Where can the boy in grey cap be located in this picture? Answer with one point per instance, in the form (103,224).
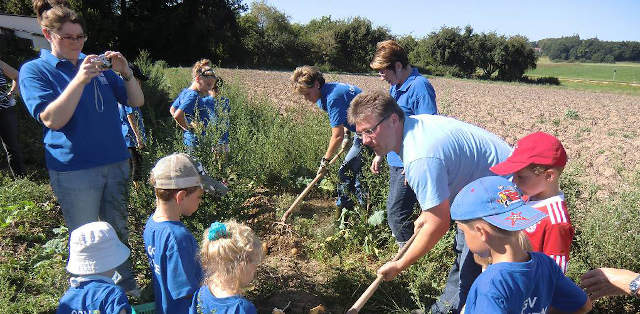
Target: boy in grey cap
(179,183)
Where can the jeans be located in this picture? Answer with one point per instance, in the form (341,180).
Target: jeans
(462,274)
(99,193)
(351,182)
(9,138)
(400,204)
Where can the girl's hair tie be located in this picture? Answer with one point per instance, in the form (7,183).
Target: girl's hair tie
(217,230)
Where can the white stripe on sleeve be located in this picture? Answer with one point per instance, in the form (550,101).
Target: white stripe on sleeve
(551,214)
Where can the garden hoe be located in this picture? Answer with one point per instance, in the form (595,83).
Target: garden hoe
(310,186)
(374,285)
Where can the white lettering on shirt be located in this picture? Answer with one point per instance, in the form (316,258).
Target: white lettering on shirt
(529,305)
(151,251)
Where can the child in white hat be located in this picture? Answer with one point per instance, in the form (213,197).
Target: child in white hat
(229,255)
(94,253)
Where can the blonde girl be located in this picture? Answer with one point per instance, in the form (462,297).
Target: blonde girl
(229,254)
(183,109)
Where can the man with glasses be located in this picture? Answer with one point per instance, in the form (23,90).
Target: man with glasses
(440,155)
(415,95)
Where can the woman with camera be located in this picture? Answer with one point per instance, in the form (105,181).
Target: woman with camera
(74,96)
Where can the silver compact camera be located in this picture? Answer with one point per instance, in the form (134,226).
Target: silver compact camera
(106,63)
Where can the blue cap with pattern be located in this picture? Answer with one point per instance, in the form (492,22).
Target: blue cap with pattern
(496,200)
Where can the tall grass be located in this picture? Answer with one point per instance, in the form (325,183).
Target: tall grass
(273,151)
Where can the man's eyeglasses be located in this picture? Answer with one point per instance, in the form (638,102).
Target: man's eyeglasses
(372,130)
(81,37)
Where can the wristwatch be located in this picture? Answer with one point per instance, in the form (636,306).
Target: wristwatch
(634,286)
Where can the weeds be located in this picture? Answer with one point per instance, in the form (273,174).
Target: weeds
(273,154)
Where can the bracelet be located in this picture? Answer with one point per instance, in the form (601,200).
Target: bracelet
(127,78)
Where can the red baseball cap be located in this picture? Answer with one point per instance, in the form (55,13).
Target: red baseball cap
(537,148)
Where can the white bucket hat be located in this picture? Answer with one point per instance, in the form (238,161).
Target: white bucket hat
(95,248)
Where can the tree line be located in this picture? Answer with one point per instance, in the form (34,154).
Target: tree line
(572,48)
(260,36)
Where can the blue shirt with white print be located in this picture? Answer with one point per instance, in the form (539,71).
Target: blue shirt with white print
(335,100)
(173,257)
(526,287)
(92,137)
(441,155)
(95,294)
(415,96)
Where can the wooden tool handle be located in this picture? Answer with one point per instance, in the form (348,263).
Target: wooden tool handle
(310,186)
(374,285)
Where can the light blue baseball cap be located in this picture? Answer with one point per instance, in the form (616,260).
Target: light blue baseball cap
(496,200)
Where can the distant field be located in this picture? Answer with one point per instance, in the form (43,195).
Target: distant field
(624,72)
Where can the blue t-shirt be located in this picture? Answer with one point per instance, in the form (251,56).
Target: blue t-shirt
(93,136)
(172,251)
(219,110)
(415,96)
(190,102)
(528,287)
(205,302)
(127,131)
(335,100)
(441,155)
(98,295)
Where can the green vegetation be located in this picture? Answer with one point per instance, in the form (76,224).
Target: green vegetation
(596,77)
(572,48)
(272,155)
(629,73)
(232,34)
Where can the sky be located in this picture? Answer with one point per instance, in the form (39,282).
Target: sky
(614,20)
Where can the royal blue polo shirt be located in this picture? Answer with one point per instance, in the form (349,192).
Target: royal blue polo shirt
(335,100)
(415,96)
(92,137)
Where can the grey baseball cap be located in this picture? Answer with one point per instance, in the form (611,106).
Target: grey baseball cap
(179,171)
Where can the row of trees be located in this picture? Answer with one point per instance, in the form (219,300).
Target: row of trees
(460,52)
(260,36)
(573,48)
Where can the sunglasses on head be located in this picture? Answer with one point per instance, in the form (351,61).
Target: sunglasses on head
(208,73)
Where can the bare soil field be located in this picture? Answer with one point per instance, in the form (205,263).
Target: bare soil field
(600,131)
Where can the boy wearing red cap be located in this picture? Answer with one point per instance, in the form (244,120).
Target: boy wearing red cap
(536,163)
